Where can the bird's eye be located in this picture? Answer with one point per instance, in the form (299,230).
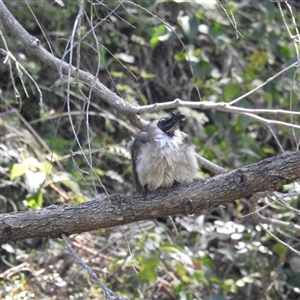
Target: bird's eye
(162,122)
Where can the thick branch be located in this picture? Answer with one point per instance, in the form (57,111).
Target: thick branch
(266,175)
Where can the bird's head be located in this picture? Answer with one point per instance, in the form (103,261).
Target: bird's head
(170,124)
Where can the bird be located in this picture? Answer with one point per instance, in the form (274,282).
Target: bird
(162,156)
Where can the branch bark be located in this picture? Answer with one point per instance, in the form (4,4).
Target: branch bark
(266,175)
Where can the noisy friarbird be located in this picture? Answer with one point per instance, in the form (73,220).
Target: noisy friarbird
(162,156)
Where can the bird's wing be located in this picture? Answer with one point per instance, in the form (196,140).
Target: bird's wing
(135,145)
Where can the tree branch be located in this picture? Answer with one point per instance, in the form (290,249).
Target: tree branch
(266,175)
(224,107)
(260,219)
(33,45)
(131,112)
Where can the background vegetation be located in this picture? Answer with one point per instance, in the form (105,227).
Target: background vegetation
(147,52)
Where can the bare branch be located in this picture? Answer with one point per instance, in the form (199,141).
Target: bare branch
(207,105)
(209,165)
(266,175)
(221,106)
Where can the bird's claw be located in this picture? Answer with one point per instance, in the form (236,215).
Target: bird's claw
(145,191)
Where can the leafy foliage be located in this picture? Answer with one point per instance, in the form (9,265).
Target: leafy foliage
(147,52)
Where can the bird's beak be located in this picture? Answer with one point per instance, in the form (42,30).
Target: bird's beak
(170,122)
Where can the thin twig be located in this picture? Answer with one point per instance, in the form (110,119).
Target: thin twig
(295,64)
(261,220)
(221,106)
(108,292)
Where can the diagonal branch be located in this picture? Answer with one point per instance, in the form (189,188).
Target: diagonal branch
(266,175)
(34,46)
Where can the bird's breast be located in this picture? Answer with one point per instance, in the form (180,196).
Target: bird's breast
(167,143)
(165,160)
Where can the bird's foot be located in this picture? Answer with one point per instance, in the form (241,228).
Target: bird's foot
(145,191)
(175,184)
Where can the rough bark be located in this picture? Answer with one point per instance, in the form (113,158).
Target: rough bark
(266,175)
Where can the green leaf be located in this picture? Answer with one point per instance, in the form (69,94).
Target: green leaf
(17,170)
(160,30)
(180,56)
(229,285)
(170,248)
(147,75)
(181,271)
(202,68)
(162,34)
(231,90)
(99,172)
(149,269)
(258,59)
(279,249)
(35,200)
(47,167)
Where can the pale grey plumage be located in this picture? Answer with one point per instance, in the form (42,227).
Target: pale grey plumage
(162,155)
